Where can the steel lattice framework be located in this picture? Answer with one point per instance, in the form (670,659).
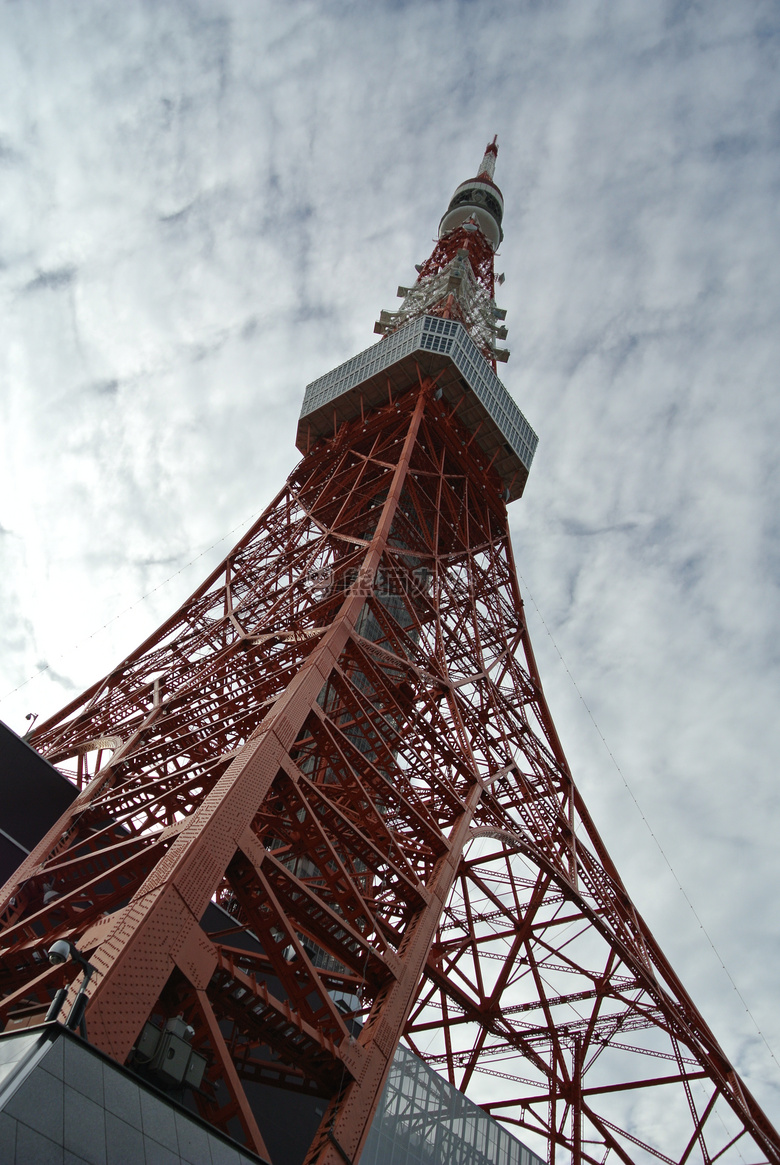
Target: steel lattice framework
(342,737)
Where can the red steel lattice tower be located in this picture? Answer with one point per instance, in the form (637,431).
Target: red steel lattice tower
(342,738)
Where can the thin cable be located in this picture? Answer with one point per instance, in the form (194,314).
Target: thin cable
(631,793)
(78,646)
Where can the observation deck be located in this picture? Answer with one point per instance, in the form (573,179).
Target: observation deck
(467,382)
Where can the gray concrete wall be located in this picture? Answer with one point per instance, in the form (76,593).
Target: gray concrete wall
(63,1103)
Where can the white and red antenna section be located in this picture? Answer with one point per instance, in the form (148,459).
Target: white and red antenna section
(458,281)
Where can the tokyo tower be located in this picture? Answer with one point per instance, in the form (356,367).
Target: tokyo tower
(341,740)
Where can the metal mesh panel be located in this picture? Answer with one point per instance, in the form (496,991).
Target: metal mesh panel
(448,338)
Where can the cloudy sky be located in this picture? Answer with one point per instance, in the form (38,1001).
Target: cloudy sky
(205,204)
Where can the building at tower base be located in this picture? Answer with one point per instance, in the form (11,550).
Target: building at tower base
(63,1101)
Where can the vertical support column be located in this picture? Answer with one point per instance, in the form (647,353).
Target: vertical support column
(139,951)
(576,1101)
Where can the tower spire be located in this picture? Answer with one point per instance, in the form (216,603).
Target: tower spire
(487,169)
(458,280)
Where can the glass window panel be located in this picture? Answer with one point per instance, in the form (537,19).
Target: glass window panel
(423,1120)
